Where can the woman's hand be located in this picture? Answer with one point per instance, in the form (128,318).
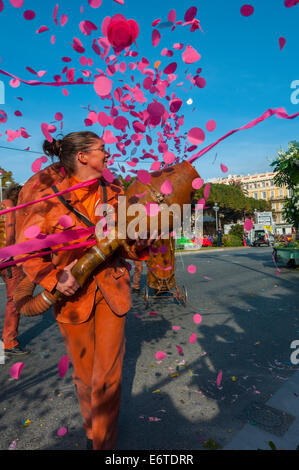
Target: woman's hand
(67,284)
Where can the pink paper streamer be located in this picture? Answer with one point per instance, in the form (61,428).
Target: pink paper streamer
(279,112)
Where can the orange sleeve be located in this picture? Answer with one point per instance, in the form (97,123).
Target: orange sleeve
(39,270)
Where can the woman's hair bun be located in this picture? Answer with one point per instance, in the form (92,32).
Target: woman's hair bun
(52,148)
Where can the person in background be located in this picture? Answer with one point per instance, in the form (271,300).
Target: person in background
(219,239)
(11,276)
(137,275)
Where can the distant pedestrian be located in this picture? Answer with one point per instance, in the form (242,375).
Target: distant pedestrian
(11,276)
(219,239)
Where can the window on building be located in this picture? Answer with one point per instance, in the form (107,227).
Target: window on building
(255,195)
(272,194)
(281,192)
(264,195)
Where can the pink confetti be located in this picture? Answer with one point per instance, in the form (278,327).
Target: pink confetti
(190,14)
(42,29)
(58,116)
(95,3)
(282,42)
(206,191)
(166,187)
(160,355)
(65,221)
(247,10)
(29,15)
(108,176)
(192,338)
(190,55)
(16,370)
(108,137)
(248,225)
(156,36)
(180,350)
(196,136)
(211,125)
(171,68)
(102,86)
(32,232)
(191,269)
(63,20)
(17,3)
(153,314)
(176,328)
(219,378)
(63,366)
(224,168)
(197,183)
(62,432)
(197,318)
(168,158)
(208,278)
(144,176)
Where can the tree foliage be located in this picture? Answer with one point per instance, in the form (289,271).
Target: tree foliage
(7,178)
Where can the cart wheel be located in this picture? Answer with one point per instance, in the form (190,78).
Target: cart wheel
(145,297)
(183,297)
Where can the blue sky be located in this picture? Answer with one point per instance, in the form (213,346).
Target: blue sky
(245,71)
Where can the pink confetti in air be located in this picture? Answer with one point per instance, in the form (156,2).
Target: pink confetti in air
(248,225)
(42,29)
(219,378)
(168,158)
(224,168)
(190,55)
(32,232)
(17,3)
(197,183)
(191,269)
(63,366)
(156,36)
(63,20)
(197,318)
(95,3)
(160,355)
(192,338)
(171,68)
(62,432)
(282,42)
(29,15)
(108,176)
(180,350)
(211,125)
(121,2)
(58,116)
(190,14)
(196,136)
(65,221)
(108,137)
(16,370)
(166,187)
(247,10)
(206,191)
(102,86)
(144,176)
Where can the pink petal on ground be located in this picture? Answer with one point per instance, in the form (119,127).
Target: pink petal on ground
(166,187)
(190,55)
(63,366)
(197,318)
(282,42)
(29,15)
(248,225)
(95,3)
(16,370)
(160,355)
(192,338)
(224,168)
(62,432)
(191,269)
(219,378)
(176,328)
(156,36)
(179,349)
(153,314)
(246,10)
(197,183)
(32,231)
(17,3)
(196,136)
(211,125)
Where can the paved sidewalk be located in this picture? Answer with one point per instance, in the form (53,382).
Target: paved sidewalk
(283,417)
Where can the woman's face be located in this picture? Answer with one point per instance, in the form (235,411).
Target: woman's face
(97,157)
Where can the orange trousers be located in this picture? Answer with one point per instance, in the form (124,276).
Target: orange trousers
(96,349)
(12,277)
(137,274)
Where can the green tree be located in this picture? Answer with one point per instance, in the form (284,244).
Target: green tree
(237,231)
(7,178)
(286,169)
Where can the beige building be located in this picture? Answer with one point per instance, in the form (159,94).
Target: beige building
(261,186)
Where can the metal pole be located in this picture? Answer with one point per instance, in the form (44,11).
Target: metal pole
(1,199)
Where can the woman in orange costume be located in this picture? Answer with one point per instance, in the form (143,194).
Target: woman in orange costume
(92,318)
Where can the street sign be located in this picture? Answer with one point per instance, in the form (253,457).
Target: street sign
(264,218)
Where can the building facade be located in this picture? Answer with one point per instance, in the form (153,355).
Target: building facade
(261,186)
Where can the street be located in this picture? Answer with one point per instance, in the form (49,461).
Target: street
(203,393)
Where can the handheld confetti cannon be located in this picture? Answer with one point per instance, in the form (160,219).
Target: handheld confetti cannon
(176,183)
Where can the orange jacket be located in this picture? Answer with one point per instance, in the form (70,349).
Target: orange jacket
(112,277)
